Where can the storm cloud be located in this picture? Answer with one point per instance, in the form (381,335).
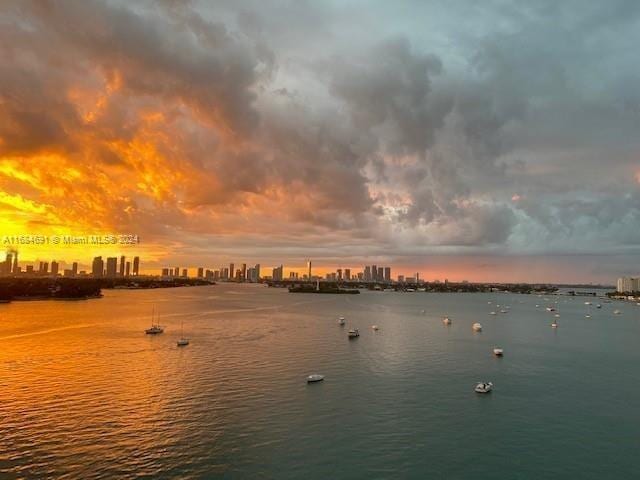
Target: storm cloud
(343,131)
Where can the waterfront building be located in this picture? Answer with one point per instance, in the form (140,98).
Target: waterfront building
(277,273)
(136,266)
(231,271)
(122,262)
(628,284)
(165,272)
(347,274)
(74,268)
(200,272)
(367,273)
(112,264)
(387,274)
(15,263)
(29,269)
(97,267)
(185,272)
(400,278)
(127,269)
(54,268)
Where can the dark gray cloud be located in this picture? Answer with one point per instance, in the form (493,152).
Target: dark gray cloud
(438,126)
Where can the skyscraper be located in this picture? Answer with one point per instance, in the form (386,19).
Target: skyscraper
(122,266)
(309,269)
(200,272)
(15,263)
(136,266)
(387,274)
(347,274)
(243,277)
(112,266)
(231,271)
(367,273)
(74,269)
(97,267)
(127,269)
(54,267)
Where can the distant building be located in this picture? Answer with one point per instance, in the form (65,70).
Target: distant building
(165,272)
(628,285)
(54,267)
(231,271)
(127,269)
(136,266)
(97,267)
(309,270)
(277,273)
(122,262)
(200,272)
(112,265)
(347,274)
(400,278)
(185,272)
(387,274)
(74,269)
(367,273)
(243,275)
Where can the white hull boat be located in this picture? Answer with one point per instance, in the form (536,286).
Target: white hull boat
(315,378)
(483,387)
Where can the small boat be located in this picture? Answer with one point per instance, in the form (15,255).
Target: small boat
(498,352)
(341,321)
(557,315)
(537,305)
(504,311)
(492,313)
(598,306)
(446,321)
(422,311)
(617,312)
(354,333)
(476,327)
(155,328)
(375,327)
(551,309)
(182,341)
(315,378)
(587,303)
(484,387)
(554,324)
(587,316)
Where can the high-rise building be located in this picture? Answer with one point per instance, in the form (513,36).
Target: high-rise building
(127,269)
(387,274)
(74,269)
(112,266)
(374,273)
(243,275)
(257,269)
(628,285)
(136,266)
(122,266)
(200,272)
(176,272)
(54,268)
(185,272)
(165,272)
(15,263)
(339,274)
(309,277)
(367,273)
(347,274)
(231,271)
(5,268)
(97,267)
(277,273)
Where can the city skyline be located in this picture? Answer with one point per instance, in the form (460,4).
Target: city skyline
(488,144)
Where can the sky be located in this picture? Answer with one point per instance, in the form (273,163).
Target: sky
(486,141)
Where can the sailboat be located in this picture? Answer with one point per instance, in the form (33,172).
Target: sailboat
(155,328)
(182,342)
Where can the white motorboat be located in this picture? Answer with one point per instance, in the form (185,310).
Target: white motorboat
(557,315)
(446,321)
(504,311)
(182,341)
(598,306)
(554,324)
(375,327)
(617,312)
(587,303)
(476,327)
(353,333)
(551,309)
(422,311)
(498,352)
(341,321)
(587,316)
(314,378)
(484,387)
(492,313)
